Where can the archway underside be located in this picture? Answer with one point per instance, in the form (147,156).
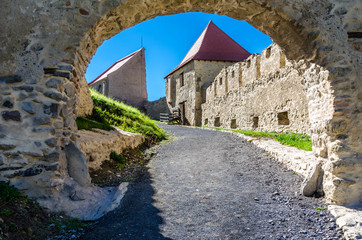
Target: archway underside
(56,44)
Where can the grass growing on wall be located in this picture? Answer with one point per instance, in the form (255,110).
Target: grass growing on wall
(298,140)
(88,124)
(109,111)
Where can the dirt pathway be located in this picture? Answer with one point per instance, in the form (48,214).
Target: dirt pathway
(213,185)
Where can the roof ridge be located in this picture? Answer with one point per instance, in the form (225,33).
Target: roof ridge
(215,45)
(118,61)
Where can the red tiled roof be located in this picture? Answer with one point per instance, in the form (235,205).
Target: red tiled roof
(115,66)
(214,45)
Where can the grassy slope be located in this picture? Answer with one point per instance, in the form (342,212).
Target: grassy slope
(111,112)
(298,140)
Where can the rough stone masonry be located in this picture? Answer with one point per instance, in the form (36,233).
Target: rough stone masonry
(47,45)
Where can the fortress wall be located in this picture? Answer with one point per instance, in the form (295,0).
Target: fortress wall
(276,101)
(273,103)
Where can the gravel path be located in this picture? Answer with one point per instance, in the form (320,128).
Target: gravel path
(213,185)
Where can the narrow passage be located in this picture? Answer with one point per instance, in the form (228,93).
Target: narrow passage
(213,185)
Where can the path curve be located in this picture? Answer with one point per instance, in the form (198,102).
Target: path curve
(214,185)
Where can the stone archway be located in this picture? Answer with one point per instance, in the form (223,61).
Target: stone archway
(47,45)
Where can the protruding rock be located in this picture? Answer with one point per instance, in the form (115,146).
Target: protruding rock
(11,115)
(28,107)
(77,164)
(312,184)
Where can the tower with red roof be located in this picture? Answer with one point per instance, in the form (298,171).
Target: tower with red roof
(186,84)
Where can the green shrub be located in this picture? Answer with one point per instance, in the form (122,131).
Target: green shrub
(9,193)
(127,118)
(121,161)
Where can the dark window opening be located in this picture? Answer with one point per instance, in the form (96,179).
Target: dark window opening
(217,122)
(240,77)
(220,81)
(283,118)
(99,88)
(206,121)
(268,52)
(233,74)
(233,124)
(255,122)
(248,63)
(182,79)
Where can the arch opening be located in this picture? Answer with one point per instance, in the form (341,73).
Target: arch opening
(53,56)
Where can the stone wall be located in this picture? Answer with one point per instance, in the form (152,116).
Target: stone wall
(98,144)
(197,76)
(276,101)
(154,108)
(46,47)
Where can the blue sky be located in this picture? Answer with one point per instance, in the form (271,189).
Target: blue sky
(167,39)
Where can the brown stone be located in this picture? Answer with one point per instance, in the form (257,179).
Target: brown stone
(82,11)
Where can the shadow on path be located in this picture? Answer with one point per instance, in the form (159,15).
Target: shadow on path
(135,218)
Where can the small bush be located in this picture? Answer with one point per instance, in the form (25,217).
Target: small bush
(121,161)
(5,212)
(10,193)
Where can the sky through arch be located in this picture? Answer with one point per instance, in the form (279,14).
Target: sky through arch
(167,39)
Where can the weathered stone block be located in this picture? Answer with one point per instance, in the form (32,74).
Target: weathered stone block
(51,142)
(11,79)
(11,115)
(63,73)
(25,88)
(312,184)
(8,104)
(28,107)
(32,172)
(52,156)
(40,120)
(48,130)
(77,164)
(53,83)
(52,109)
(53,94)
(7,146)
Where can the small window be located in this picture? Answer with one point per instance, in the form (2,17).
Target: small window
(248,63)
(217,122)
(220,81)
(233,74)
(182,83)
(233,124)
(206,121)
(240,77)
(255,122)
(283,118)
(99,89)
(268,52)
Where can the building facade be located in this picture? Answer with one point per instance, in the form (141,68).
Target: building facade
(125,80)
(186,85)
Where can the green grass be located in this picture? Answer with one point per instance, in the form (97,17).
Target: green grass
(320,208)
(88,124)
(298,140)
(5,212)
(114,113)
(121,161)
